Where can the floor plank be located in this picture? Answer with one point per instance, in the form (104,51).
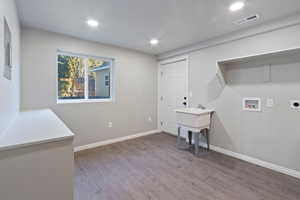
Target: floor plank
(151,167)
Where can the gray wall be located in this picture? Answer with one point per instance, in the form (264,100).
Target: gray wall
(272,135)
(135,80)
(9,90)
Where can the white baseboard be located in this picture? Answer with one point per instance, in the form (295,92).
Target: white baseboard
(111,141)
(249,159)
(274,167)
(258,162)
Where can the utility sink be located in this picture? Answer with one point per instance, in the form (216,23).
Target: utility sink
(195,119)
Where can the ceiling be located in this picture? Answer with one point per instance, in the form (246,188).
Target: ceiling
(132,23)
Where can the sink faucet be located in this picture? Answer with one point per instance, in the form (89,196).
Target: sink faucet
(201,106)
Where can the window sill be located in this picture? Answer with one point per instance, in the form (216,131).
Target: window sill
(84,101)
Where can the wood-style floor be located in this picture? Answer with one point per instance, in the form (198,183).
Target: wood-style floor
(152,168)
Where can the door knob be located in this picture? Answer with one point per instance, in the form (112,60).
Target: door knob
(184,103)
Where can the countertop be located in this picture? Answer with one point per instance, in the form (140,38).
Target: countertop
(34,127)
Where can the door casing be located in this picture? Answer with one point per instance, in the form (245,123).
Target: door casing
(160,65)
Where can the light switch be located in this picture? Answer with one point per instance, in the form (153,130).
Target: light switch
(270,103)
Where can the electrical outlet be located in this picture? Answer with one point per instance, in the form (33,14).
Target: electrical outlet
(295,104)
(110,124)
(270,103)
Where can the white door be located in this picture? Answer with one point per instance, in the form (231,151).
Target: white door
(173,92)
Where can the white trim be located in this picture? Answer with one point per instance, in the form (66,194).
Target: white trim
(86,79)
(165,62)
(250,32)
(67,53)
(158,96)
(255,161)
(86,99)
(274,167)
(112,79)
(115,140)
(67,101)
(174,60)
(99,69)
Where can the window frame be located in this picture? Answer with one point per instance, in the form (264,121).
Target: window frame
(107,81)
(86,86)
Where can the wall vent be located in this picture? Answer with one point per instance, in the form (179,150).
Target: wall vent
(248,19)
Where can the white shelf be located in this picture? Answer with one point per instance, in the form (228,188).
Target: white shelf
(267,60)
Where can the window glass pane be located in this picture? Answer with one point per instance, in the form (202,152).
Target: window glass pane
(70,77)
(99,78)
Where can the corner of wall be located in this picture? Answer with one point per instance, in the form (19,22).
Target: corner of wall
(10,89)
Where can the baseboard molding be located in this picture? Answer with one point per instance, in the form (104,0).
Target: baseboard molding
(258,162)
(111,141)
(274,167)
(255,161)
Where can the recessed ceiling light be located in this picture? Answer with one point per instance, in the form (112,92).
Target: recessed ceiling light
(154,41)
(236,6)
(92,23)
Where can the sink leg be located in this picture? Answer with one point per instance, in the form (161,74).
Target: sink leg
(190,134)
(207,139)
(178,137)
(196,143)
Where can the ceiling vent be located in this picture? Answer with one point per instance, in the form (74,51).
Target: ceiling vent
(248,19)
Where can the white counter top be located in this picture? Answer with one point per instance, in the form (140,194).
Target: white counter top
(34,127)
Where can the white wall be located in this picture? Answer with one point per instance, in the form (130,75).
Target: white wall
(9,90)
(135,80)
(272,135)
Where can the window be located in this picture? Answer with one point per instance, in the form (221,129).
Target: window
(83,78)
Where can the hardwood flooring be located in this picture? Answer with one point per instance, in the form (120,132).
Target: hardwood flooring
(151,167)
